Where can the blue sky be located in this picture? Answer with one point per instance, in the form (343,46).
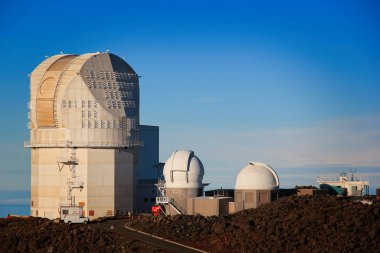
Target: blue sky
(295,84)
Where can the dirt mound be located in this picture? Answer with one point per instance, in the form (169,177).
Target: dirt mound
(43,235)
(292,224)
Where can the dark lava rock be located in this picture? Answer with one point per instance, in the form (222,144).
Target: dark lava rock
(292,224)
(42,235)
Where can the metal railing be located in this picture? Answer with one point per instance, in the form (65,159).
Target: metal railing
(177,206)
(67,159)
(171,202)
(65,144)
(163,200)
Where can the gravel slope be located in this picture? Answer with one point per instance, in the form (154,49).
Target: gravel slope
(292,224)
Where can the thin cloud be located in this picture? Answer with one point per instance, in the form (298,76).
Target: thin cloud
(17,201)
(329,143)
(335,144)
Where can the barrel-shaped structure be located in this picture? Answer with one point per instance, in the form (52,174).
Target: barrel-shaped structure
(84,134)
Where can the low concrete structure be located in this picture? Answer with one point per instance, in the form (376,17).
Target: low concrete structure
(344,185)
(310,191)
(208,206)
(220,193)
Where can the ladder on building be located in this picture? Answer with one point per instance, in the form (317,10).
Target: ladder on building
(162,200)
(161,187)
(72,182)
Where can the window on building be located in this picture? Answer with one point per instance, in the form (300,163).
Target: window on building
(152,200)
(239,197)
(145,200)
(249,197)
(263,198)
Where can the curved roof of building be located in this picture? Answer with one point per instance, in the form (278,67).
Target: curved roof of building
(183,170)
(90,99)
(257,176)
(51,79)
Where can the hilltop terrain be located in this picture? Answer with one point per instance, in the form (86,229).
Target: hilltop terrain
(291,224)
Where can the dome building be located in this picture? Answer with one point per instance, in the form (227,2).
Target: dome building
(256,184)
(183,173)
(84,134)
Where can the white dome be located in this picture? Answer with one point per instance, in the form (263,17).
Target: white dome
(183,170)
(91,85)
(257,176)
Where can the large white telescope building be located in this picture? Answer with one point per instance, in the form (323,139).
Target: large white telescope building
(85,136)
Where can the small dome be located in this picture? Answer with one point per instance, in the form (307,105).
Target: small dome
(183,170)
(257,176)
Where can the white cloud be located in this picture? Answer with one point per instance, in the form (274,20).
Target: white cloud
(335,142)
(339,143)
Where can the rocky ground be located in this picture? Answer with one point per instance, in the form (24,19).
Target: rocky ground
(292,224)
(43,235)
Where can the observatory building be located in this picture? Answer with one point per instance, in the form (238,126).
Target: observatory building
(182,188)
(345,185)
(85,136)
(256,184)
(183,173)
